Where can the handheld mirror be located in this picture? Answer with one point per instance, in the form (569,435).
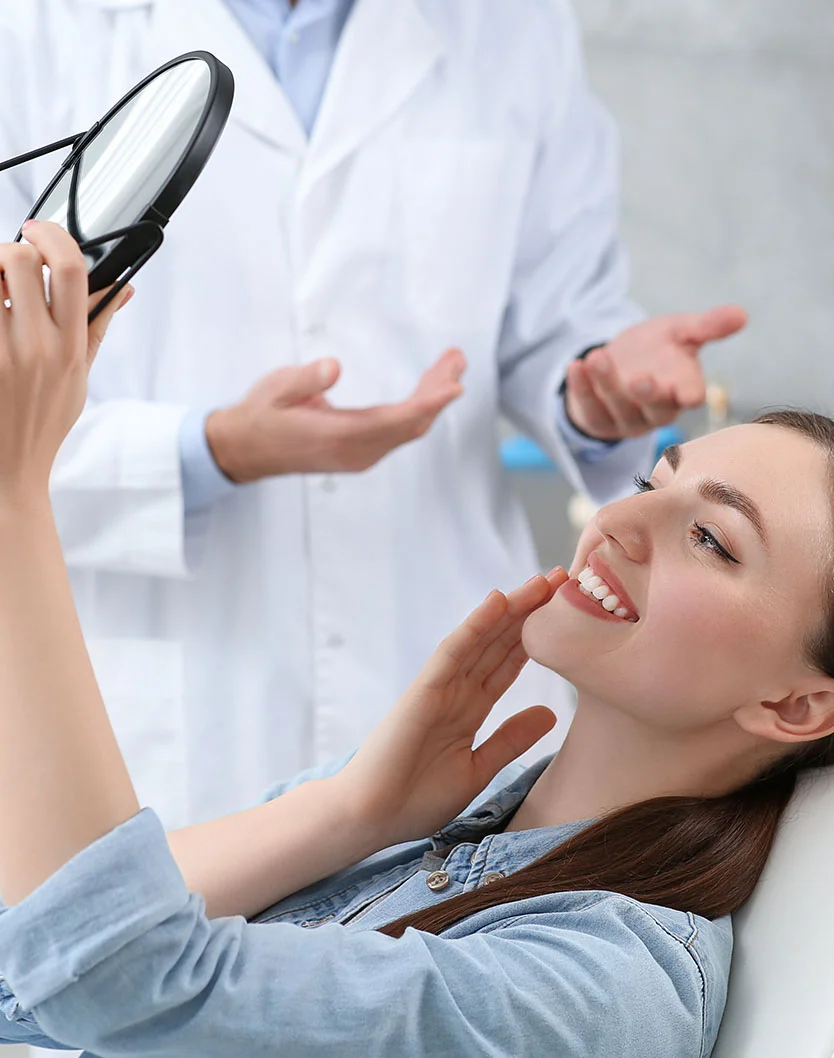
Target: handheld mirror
(123,179)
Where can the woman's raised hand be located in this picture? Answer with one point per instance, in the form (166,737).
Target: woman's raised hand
(46,350)
(417,770)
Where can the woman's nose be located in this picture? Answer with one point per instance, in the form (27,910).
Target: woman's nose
(626,524)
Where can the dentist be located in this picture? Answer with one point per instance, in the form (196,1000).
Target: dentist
(403,191)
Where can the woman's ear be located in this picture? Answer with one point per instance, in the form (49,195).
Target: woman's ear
(796,718)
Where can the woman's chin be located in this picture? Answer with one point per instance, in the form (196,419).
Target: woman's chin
(552,639)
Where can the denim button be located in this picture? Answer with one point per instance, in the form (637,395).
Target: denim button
(438,880)
(493,876)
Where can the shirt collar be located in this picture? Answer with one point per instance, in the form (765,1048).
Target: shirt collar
(492,813)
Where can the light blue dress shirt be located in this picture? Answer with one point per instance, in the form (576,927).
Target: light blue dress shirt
(113,954)
(299,44)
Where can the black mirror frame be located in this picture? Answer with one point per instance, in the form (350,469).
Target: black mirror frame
(138,242)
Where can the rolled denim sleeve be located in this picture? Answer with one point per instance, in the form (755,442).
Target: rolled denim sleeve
(112,954)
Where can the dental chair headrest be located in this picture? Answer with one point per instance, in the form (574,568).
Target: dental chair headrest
(781,1000)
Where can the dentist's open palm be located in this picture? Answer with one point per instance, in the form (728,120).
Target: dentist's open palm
(417,770)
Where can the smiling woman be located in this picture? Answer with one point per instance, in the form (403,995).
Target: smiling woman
(579,907)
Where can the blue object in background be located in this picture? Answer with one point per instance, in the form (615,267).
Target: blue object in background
(522,453)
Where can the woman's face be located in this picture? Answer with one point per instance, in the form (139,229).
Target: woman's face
(718,566)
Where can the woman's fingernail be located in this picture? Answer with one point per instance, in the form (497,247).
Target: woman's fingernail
(327,371)
(27,224)
(602,363)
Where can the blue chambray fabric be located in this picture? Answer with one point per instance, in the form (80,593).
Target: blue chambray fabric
(113,954)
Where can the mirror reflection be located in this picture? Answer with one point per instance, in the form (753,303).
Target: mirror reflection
(128,163)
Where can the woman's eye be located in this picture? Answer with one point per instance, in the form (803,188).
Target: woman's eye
(643,484)
(704,538)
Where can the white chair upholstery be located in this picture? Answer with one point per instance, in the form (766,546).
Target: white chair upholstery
(781,1001)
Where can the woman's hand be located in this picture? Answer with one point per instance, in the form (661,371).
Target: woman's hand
(46,350)
(415,772)
(417,769)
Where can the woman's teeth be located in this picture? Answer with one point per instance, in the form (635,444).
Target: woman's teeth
(592,585)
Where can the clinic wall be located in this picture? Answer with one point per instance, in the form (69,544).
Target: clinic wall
(728,142)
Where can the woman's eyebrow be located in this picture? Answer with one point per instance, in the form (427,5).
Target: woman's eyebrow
(672,455)
(722,493)
(729,496)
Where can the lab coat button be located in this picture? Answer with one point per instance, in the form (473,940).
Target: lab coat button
(329,484)
(335,641)
(493,876)
(438,880)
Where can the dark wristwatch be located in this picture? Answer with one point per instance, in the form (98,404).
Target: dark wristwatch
(563,390)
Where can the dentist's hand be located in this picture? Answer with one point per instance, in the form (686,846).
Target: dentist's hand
(287,426)
(647,375)
(417,770)
(46,349)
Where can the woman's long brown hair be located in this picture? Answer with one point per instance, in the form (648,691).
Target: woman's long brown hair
(697,854)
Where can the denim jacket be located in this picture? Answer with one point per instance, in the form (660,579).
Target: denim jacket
(113,954)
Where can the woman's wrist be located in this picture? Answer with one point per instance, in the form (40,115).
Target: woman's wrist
(23,502)
(363,832)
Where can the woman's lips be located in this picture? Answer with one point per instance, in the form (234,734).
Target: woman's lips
(570,593)
(577,598)
(602,569)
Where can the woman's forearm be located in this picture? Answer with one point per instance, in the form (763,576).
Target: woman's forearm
(242,864)
(63,783)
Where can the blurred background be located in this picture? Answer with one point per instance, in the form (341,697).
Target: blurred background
(727,126)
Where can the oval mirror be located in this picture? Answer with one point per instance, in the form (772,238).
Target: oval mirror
(125,177)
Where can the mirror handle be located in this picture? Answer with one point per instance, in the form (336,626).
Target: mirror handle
(156,238)
(59,145)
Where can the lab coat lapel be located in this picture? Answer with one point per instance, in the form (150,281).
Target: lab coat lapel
(386,51)
(260,103)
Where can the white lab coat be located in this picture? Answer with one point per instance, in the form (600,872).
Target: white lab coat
(460,188)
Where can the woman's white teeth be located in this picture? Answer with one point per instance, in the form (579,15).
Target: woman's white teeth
(592,585)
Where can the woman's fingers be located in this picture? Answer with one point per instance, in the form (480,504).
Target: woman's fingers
(557,577)
(504,675)
(458,649)
(514,737)
(22,270)
(520,604)
(482,641)
(68,283)
(98,328)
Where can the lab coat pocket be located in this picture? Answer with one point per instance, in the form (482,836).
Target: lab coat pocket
(461,205)
(142,684)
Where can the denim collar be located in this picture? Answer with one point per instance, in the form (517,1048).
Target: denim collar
(482,825)
(491,814)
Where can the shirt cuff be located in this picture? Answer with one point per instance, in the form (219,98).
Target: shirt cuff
(116,890)
(588,449)
(203,481)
